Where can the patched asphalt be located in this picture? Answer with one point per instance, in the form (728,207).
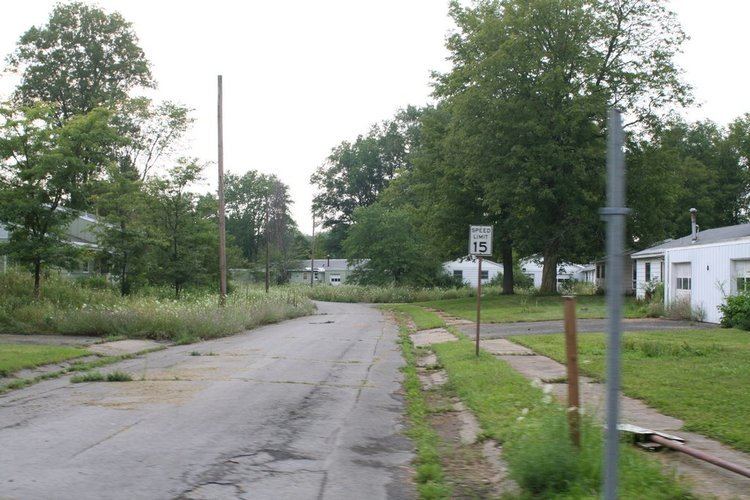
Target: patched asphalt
(309,408)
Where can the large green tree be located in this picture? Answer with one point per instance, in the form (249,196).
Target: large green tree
(81,59)
(529,89)
(43,167)
(355,173)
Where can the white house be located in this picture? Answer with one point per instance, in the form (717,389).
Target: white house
(702,268)
(332,272)
(566,271)
(467,269)
(628,273)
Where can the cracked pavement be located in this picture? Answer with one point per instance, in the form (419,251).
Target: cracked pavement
(308,408)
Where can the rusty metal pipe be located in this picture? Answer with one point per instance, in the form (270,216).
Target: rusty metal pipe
(700,455)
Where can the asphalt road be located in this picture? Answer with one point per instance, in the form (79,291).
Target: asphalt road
(309,408)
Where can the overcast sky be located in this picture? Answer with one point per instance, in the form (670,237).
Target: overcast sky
(301,76)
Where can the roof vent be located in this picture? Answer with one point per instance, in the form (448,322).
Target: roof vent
(693,224)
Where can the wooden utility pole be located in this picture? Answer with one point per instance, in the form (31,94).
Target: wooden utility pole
(312,252)
(267,258)
(571,350)
(222,227)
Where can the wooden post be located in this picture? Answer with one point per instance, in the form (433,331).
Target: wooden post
(268,271)
(571,351)
(222,227)
(479,301)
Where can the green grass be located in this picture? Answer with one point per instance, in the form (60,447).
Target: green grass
(422,318)
(533,431)
(699,376)
(115,376)
(15,357)
(384,294)
(512,308)
(429,473)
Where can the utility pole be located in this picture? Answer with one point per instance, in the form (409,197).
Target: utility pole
(267,238)
(312,252)
(222,227)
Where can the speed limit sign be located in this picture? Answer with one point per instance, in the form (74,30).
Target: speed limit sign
(480,240)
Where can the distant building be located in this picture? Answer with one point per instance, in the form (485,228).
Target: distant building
(467,270)
(566,271)
(702,268)
(332,272)
(81,232)
(628,273)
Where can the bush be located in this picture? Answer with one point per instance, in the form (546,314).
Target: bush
(682,310)
(736,311)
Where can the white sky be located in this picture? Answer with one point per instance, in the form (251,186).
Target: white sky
(301,76)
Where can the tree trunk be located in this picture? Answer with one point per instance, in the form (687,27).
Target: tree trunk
(37,277)
(549,272)
(507,258)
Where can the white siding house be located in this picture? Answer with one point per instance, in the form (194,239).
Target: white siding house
(467,269)
(533,266)
(703,268)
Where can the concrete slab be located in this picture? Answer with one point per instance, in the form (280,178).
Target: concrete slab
(434,336)
(536,368)
(40,339)
(503,347)
(122,347)
(470,427)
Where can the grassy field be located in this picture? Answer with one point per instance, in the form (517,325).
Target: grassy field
(511,308)
(69,307)
(699,376)
(15,357)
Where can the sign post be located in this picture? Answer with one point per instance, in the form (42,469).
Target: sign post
(480,245)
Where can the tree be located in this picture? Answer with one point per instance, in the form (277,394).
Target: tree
(397,255)
(530,85)
(355,173)
(44,166)
(184,236)
(83,58)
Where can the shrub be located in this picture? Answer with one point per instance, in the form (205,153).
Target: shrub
(682,310)
(88,377)
(736,311)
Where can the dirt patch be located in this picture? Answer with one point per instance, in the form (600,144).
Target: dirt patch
(121,347)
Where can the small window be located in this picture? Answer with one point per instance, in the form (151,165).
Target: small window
(305,276)
(648,271)
(743,285)
(485,275)
(600,271)
(684,283)
(458,274)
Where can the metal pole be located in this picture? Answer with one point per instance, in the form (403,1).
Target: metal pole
(222,227)
(614,214)
(312,252)
(479,301)
(700,455)
(267,255)
(571,350)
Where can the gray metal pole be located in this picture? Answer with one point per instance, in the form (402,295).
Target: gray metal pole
(614,214)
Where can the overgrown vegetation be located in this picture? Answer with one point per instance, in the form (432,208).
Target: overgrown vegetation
(15,357)
(698,376)
(115,376)
(736,311)
(68,307)
(388,294)
(429,477)
(423,319)
(533,432)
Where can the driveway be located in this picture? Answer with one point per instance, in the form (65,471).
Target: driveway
(309,408)
(500,330)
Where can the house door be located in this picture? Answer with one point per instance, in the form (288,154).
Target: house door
(683,281)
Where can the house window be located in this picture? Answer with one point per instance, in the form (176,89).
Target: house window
(635,276)
(684,283)
(305,277)
(741,275)
(648,271)
(458,274)
(485,275)
(600,271)
(743,285)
